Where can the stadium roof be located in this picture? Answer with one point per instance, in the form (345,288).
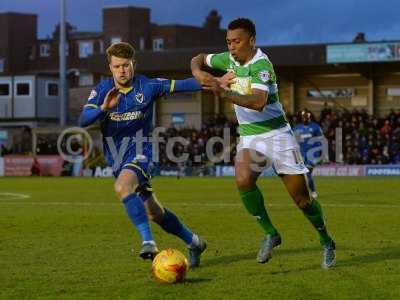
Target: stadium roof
(178,60)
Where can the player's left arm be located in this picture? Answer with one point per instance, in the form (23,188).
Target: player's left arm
(184,85)
(255,101)
(169,86)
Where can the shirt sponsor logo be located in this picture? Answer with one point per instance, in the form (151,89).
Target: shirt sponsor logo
(128,116)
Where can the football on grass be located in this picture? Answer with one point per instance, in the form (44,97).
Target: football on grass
(170,266)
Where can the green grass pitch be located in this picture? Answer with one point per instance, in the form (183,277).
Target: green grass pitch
(66,238)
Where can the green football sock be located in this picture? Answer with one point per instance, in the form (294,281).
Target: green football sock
(254,202)
(315,216)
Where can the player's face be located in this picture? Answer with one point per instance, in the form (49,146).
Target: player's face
(305,117)
(240,44)
(122,70)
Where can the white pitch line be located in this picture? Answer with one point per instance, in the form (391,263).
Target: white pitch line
(215,205)
(13,196)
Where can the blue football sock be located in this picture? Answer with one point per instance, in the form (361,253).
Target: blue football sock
(172,225)
(137,213)
(310,182)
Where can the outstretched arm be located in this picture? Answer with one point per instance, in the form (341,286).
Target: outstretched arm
(185,85)
(161,86)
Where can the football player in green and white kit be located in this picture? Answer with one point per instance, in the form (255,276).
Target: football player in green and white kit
(266,138)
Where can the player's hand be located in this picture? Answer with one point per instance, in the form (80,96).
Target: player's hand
(111,99)
(217,88)
(205,79)
(227,79)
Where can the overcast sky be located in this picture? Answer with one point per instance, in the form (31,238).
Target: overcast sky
(277,21)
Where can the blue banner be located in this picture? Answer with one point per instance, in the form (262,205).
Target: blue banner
(365,52)
(389,170)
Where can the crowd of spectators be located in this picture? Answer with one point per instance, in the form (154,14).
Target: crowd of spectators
(196,141)
(367,139)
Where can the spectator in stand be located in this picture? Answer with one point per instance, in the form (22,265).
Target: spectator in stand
(35,169)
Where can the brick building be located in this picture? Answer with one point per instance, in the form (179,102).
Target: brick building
(309,75)
(25,59)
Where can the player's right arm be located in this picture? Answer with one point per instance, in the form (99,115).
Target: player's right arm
(206,79)
(101,99)
(203,77)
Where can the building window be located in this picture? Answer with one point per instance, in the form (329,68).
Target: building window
(2,63)
(51,89)
(44,50)
(85,79)
(158,44)
(115,39)
(141,43)
(23,89)
(5,89)
(85,49)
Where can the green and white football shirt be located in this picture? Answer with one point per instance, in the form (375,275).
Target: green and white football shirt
(258,73)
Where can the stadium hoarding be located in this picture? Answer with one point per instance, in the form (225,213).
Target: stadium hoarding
(21,165)
(382,170)
(1,166)
(324,170)
(339,170)
(221,171)
(330,170)
(365,52)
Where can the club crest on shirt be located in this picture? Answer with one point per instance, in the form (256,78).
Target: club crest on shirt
(139,97)
(92,95)
(264,76)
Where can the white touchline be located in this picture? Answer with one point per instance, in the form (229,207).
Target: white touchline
(13,196)
(205,205)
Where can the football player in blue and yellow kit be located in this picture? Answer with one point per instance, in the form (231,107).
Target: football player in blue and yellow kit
(310,138)
(124,107)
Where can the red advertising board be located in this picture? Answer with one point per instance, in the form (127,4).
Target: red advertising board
(339,170)
(21,165)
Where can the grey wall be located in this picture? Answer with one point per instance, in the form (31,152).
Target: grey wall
(47,106)
(24,106)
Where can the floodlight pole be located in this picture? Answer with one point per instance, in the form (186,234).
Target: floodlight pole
(62,70)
